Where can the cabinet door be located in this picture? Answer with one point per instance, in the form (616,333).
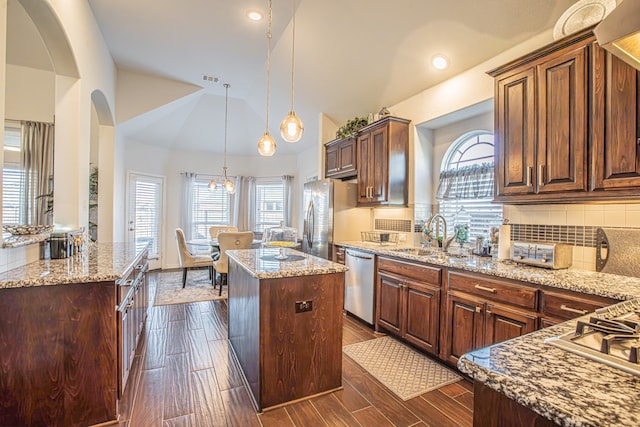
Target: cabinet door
(379,164)
(422,316)
(331,165)
(347,157)
(465,327)
(505,323)
(562,123)
(515,133)
(615,123)
(389,303)
(365,150)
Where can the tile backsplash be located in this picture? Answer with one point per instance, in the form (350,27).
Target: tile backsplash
(570,223)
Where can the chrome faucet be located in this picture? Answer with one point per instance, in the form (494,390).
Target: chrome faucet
(446,241)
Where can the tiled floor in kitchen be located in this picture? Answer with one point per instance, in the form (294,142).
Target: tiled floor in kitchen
(184,376)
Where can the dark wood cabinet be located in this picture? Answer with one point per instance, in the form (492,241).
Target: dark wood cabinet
(567,125)
(541,113)
(341,158)
(408,302)
(557,306)
(338,254)
(383,149)
(615,123)
(484,310)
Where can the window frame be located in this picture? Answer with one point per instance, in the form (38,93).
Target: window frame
(261,223)
(220,202)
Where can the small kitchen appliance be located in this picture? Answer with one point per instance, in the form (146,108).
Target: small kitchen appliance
(548,255)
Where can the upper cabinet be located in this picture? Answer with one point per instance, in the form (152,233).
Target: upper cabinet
(340,158)
(615,130)
(383,149)
(566,124)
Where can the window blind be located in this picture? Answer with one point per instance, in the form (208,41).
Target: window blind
(209,208)
(147,215)
(269,205)
(11,195)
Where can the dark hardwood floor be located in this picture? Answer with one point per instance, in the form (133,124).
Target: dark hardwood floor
(184,375)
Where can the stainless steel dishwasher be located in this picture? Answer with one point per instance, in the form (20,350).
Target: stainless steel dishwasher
(358,284)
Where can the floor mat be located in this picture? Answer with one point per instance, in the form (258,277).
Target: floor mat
(169,288)
(403,370)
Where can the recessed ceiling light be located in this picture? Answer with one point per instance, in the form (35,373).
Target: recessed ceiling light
(254,15)
(440,62)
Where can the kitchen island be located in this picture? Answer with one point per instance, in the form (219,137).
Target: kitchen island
(285,324)
(63,341)
(525,381)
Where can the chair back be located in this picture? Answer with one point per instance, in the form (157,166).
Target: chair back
(233,240)
(183,251)
(213,231)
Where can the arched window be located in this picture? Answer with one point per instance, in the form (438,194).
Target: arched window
(466,183)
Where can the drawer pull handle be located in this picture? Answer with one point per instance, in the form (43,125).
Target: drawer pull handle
(572,310)
(482,288)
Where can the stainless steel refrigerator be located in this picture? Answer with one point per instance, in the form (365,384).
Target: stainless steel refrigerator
(331,216)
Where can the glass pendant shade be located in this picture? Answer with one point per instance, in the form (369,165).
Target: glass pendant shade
(266,145)
(291,128)
(212,185)
(230,186)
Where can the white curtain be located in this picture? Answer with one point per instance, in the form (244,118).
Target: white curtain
(239,217)
(36,160)
(188,182)
(287,186)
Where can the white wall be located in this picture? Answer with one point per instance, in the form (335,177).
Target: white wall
(30,94)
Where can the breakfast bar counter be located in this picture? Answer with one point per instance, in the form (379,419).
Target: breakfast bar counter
(285,324)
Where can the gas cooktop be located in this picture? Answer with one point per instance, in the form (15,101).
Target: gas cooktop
(610,336)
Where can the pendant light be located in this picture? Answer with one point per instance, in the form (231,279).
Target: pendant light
(266,143)
(291,127)
(228,184)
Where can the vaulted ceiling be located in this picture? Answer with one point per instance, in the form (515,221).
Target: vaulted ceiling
(352,58)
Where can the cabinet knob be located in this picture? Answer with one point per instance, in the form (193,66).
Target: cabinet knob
(478,309)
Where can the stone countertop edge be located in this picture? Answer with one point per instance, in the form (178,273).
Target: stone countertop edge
(561,386)
(14,241)
(99,262)
(582,281)
(252,261)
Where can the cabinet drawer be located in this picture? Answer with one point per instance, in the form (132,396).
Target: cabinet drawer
(570,306)
(420,273)
(494,289)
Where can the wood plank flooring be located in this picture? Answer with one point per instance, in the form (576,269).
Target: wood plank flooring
(184,375)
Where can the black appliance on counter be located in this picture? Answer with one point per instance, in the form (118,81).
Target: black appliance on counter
(64,244)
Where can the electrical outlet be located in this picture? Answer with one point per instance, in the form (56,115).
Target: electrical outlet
(402,237)
(303,306)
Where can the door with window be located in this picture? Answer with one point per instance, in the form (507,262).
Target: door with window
(145,213)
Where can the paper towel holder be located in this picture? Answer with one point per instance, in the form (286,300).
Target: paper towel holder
(602,249)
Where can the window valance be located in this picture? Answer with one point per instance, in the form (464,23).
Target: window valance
(470,182)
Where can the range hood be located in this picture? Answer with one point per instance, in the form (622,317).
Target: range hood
(619,32)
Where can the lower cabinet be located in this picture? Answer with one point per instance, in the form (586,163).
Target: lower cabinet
(408,302)
(478,313)
(463,311)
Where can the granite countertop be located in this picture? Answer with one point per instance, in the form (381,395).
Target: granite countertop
(586,282)
(566,388)
(14,241)
(97,263)
(260,263)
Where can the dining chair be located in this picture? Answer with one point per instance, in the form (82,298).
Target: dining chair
(229,241)
(214,230)
(188,260)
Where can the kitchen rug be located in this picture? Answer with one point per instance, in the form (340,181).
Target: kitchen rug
(401,369)
(169,288)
